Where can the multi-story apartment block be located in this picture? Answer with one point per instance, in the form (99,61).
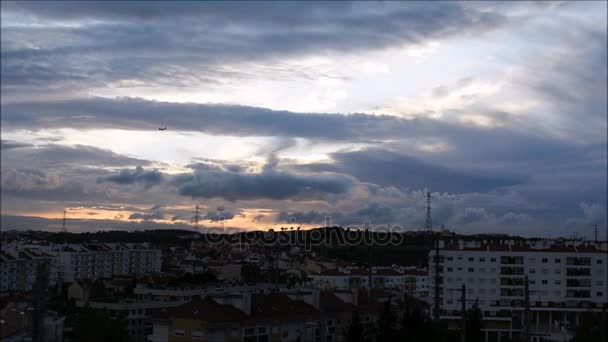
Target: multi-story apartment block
(353,278)
(18,269)
(293,316)
(517,283)
(92,261)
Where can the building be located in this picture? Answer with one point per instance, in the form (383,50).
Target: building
(135,312)
(93,261)
(299,315)
(562,281)
(354,278)
(18,269)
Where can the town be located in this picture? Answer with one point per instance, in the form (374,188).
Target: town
(185,286)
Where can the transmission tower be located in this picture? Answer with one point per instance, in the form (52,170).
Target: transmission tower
(197,217)
(429,223)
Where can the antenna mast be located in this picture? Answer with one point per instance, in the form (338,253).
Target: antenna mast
(429,223)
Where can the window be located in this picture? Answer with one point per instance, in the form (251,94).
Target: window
(557,261)
(532,271)
(471,259)
(558,271)
(558,282)
(599,261)
(482,259)
(544,281)
(545,260)
(450,259)
(471,269)
(493,259)
(196,334)
(450,269)
(599,293)
(532,259)
(179,332)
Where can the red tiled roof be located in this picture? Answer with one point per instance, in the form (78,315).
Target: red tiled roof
(332,304)
(206,310)
(279,306)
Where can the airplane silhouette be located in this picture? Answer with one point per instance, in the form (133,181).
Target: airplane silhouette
(162,128)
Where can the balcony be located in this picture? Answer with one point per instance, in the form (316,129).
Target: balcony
(505,260)
(578,283)
(578,272)
(512,281)
(578,294)
(578,261)
(512,270)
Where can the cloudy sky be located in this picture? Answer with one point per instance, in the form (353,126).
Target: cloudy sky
(283,112)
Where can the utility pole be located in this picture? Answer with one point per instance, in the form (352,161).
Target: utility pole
(526,310)
(370,266)
(603,323)
(429,221)
(463,313)
(63,228)
(595,230)
(437,301)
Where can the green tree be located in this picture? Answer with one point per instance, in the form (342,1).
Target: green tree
(250,273)
(94,325)
(474,324)
(354,333)
(590,327)
(386,324)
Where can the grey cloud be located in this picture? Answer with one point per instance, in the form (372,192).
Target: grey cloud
(83,155)
(36,184)
(139,114)
(388,168)
(215,216)
(9,144)
(137,176)
(182,36)
(146,216)
(213,182)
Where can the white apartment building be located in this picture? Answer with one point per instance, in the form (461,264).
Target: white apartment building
(351,277)
(18,269)
(92,261)
(564,281)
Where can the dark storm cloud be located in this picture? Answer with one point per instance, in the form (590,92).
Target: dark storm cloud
(83,155)
(160,42)
(137,176)
(215,216)
(268,184)
(388,168)
(139,114)
(38,185)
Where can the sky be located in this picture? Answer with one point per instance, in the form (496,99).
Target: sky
(284,114)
